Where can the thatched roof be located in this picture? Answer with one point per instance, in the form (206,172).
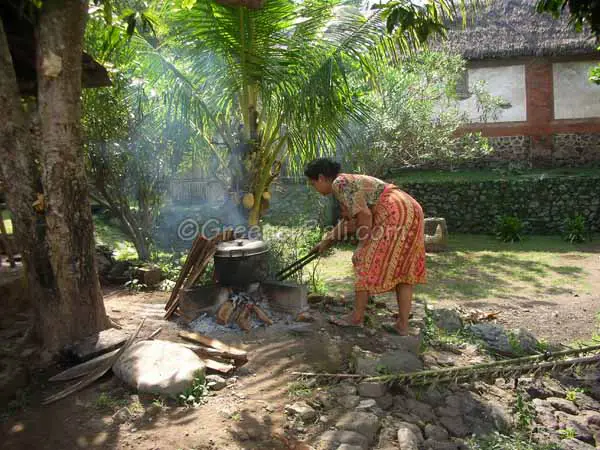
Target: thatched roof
(20,34)
(512,28)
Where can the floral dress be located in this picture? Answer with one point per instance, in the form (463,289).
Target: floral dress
(394,253)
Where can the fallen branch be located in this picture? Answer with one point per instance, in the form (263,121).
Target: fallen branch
(96,374)
(83,369)
(155,333)
(511,368)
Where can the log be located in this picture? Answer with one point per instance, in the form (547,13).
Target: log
(224,313)
(262,315)
(232,352)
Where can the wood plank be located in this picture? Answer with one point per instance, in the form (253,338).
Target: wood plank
(218,366)
(96,373)
(187,266)
(214,343)
(96,344)
(81,370)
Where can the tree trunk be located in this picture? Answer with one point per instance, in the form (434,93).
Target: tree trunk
(78,309)
(22,183)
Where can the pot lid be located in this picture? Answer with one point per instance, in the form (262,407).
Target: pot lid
(239,248)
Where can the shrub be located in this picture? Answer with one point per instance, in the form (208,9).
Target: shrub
(288,244)
(509,229)
(575,229)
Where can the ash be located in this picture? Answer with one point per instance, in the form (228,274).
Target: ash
(206,323)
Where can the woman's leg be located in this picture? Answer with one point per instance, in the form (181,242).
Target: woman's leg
(404,295)
(360,306)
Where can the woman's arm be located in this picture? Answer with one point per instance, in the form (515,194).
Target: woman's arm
(364,224)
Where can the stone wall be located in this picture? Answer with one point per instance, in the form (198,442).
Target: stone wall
(557,150)
(543,204)
(473,207)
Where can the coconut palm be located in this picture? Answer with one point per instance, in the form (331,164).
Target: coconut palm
(271,84)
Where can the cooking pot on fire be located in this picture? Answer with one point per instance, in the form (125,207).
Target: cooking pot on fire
(241,262)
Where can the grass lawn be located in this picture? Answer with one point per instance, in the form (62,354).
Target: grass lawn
(438,176)
(111,236)
(7,222)
(478,266)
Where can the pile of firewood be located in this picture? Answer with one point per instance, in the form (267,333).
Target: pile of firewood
(200,255)
(239,309)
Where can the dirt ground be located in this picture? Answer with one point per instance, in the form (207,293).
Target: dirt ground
(249,413)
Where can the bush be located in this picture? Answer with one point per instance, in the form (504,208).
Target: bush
(509,229)
(415,118)
(288,244)
(575,229)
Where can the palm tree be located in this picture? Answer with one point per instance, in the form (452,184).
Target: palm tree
(271,84)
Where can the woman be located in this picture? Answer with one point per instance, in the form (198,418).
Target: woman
(390,228)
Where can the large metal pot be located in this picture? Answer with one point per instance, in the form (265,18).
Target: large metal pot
(241,262)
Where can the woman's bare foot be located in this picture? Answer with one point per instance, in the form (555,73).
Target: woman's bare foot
(349,320)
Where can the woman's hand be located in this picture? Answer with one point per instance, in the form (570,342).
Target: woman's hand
(322,246)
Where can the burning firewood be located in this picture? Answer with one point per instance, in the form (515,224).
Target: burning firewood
(224,313)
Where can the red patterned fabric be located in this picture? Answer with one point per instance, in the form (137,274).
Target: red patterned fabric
(395,252)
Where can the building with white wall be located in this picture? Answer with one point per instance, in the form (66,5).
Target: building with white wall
(539,66)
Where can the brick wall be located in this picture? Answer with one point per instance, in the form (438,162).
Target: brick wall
(541,131)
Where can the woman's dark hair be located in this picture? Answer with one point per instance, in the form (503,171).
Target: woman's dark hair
(322,166)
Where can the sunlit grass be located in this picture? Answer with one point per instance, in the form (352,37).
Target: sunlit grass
(7,222)
(477,266)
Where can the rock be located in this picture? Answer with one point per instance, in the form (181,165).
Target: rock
(499,414)
(159,367)
(554,387)
(414,428)
(574,444)
(396,361)
(349,401)
(436,433)
(301,410)
(365,423)
(577,424)
(584,401)
(153,410)
(447,319)
(325,399)
(433,397)
(372,389)
(349,447)
(333,438)
(410,343)
(544,414)
(400,361)
(432,444)
(407,439)
(422,410)
(517,342)
(563,405)
(121,416)
(104,259)
(366,405)
(385,402)
(455,425)
(592,418)
(343,389)
(216,382)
